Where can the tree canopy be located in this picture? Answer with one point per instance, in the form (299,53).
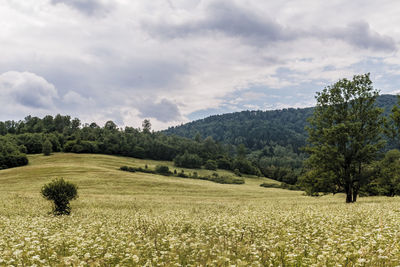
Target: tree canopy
(345,135)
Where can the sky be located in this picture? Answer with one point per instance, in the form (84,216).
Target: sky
(173,61)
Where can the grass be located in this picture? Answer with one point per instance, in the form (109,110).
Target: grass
(136,219)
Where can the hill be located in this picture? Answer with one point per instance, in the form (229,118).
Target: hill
(137,219)
(258,129)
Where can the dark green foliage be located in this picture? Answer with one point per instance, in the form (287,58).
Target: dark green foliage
(245,166)
(188,160)
(392,128)
(224,163)
(61,193)
(211,165)
(182,174)
(385,179)
(47,148)
(237,172)
(127,169)
(281,186)
(226,179)
(345,136)
(78,146)
(10,154)
(162,169)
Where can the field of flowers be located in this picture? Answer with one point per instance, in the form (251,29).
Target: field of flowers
(134,220)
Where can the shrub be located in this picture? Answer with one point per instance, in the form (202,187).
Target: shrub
(47,148)
(61,193)
(224,179)
(270,185)
(237,172)
(245,166)
(282,186)
(211,165)
(182,174)
(162,169)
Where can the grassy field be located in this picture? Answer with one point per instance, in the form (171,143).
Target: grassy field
(136,219)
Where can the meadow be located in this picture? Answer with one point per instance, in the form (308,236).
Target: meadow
(139,219)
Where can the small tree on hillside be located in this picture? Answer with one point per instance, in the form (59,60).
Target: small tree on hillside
(345,135)
(47,147)
(61,193)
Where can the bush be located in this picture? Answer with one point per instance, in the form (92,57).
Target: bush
(226,179)
(162,169)
(282,186)
(182,174)
(237,172)
(61,193)
(270,185)
(245,166)
(211,165)
(47,148)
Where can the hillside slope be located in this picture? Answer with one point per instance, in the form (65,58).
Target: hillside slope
(256,129)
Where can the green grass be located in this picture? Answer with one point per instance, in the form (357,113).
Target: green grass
(136,218)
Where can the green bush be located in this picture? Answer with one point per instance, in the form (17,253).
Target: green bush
(47,147)
(61,193)
(237,172)
(211,165)
(162,169)
(270,185)
(182,174)
(282,186)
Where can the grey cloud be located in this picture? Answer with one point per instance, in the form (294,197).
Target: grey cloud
(234,21)
(88,7)
(228,19)
(164,111)
(28,89)
(361,35)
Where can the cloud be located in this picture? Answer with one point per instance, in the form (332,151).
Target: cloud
(361,35)
(27,89)
(177,59)
(74,98)
(229,19)
(87,7)
(164,111)
(236,21)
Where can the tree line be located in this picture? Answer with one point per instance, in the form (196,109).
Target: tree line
(62,133)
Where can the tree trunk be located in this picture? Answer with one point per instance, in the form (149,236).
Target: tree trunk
(355,193)
(349,194)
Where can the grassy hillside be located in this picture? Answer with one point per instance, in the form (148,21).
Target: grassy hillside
(135,218)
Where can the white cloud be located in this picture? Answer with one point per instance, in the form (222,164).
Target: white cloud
(26,92)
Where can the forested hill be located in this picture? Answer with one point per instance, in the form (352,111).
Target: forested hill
(257,129)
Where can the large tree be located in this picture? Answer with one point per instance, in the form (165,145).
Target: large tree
(345,135)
